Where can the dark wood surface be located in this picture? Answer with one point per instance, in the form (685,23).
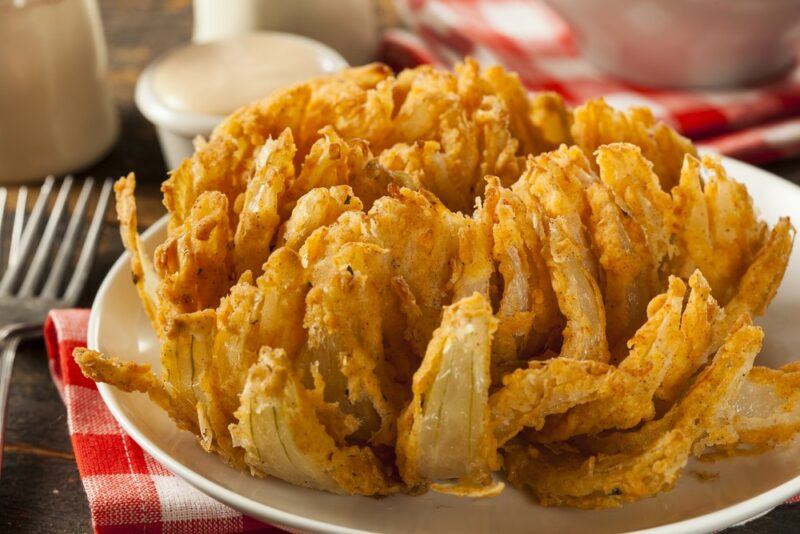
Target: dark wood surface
(40,490)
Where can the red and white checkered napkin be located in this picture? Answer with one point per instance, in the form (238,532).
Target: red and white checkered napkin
(128,490)
(755,124)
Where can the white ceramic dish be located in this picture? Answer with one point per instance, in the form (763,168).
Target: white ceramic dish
(686,43)
(745,487)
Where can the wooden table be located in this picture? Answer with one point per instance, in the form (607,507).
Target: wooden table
(40,490)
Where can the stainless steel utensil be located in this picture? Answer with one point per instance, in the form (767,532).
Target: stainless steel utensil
(40,255)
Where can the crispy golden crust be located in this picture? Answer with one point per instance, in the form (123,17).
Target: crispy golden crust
(652,458)
(528,310)
(144,275)
(638,376)
(629,275)
(371,282)
(700,317)
(529,396)
(577,292)
(259,215)
(626,171)
(450,403)
(267,311)
(195,263)
(717,230)
(127,376)
(282,436)
(595,124)
(759,283)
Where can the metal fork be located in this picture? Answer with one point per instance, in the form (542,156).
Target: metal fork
(39,256)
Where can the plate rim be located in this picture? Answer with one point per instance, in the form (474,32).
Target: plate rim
(725,517)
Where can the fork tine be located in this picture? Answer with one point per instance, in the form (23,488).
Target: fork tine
(45,248)
(67,247)
(19,223)
(3,199)
(84,264)
(28,236)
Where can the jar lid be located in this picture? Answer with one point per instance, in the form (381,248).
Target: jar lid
(192,87)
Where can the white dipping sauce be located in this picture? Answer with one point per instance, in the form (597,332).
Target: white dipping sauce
(187,92)
(217,77)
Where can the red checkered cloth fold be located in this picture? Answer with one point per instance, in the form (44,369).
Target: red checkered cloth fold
(527,37)
(128,491)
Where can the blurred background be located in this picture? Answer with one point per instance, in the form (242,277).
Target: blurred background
(723,73)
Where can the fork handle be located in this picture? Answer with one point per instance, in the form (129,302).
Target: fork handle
(10,338)
(26,329)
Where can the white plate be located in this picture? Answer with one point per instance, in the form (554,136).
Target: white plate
(744,488)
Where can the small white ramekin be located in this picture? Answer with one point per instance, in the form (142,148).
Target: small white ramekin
(177,128)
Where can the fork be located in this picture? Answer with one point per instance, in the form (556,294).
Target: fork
(37,251)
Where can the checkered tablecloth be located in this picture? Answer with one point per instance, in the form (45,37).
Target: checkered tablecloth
(128,491)
(757,124)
